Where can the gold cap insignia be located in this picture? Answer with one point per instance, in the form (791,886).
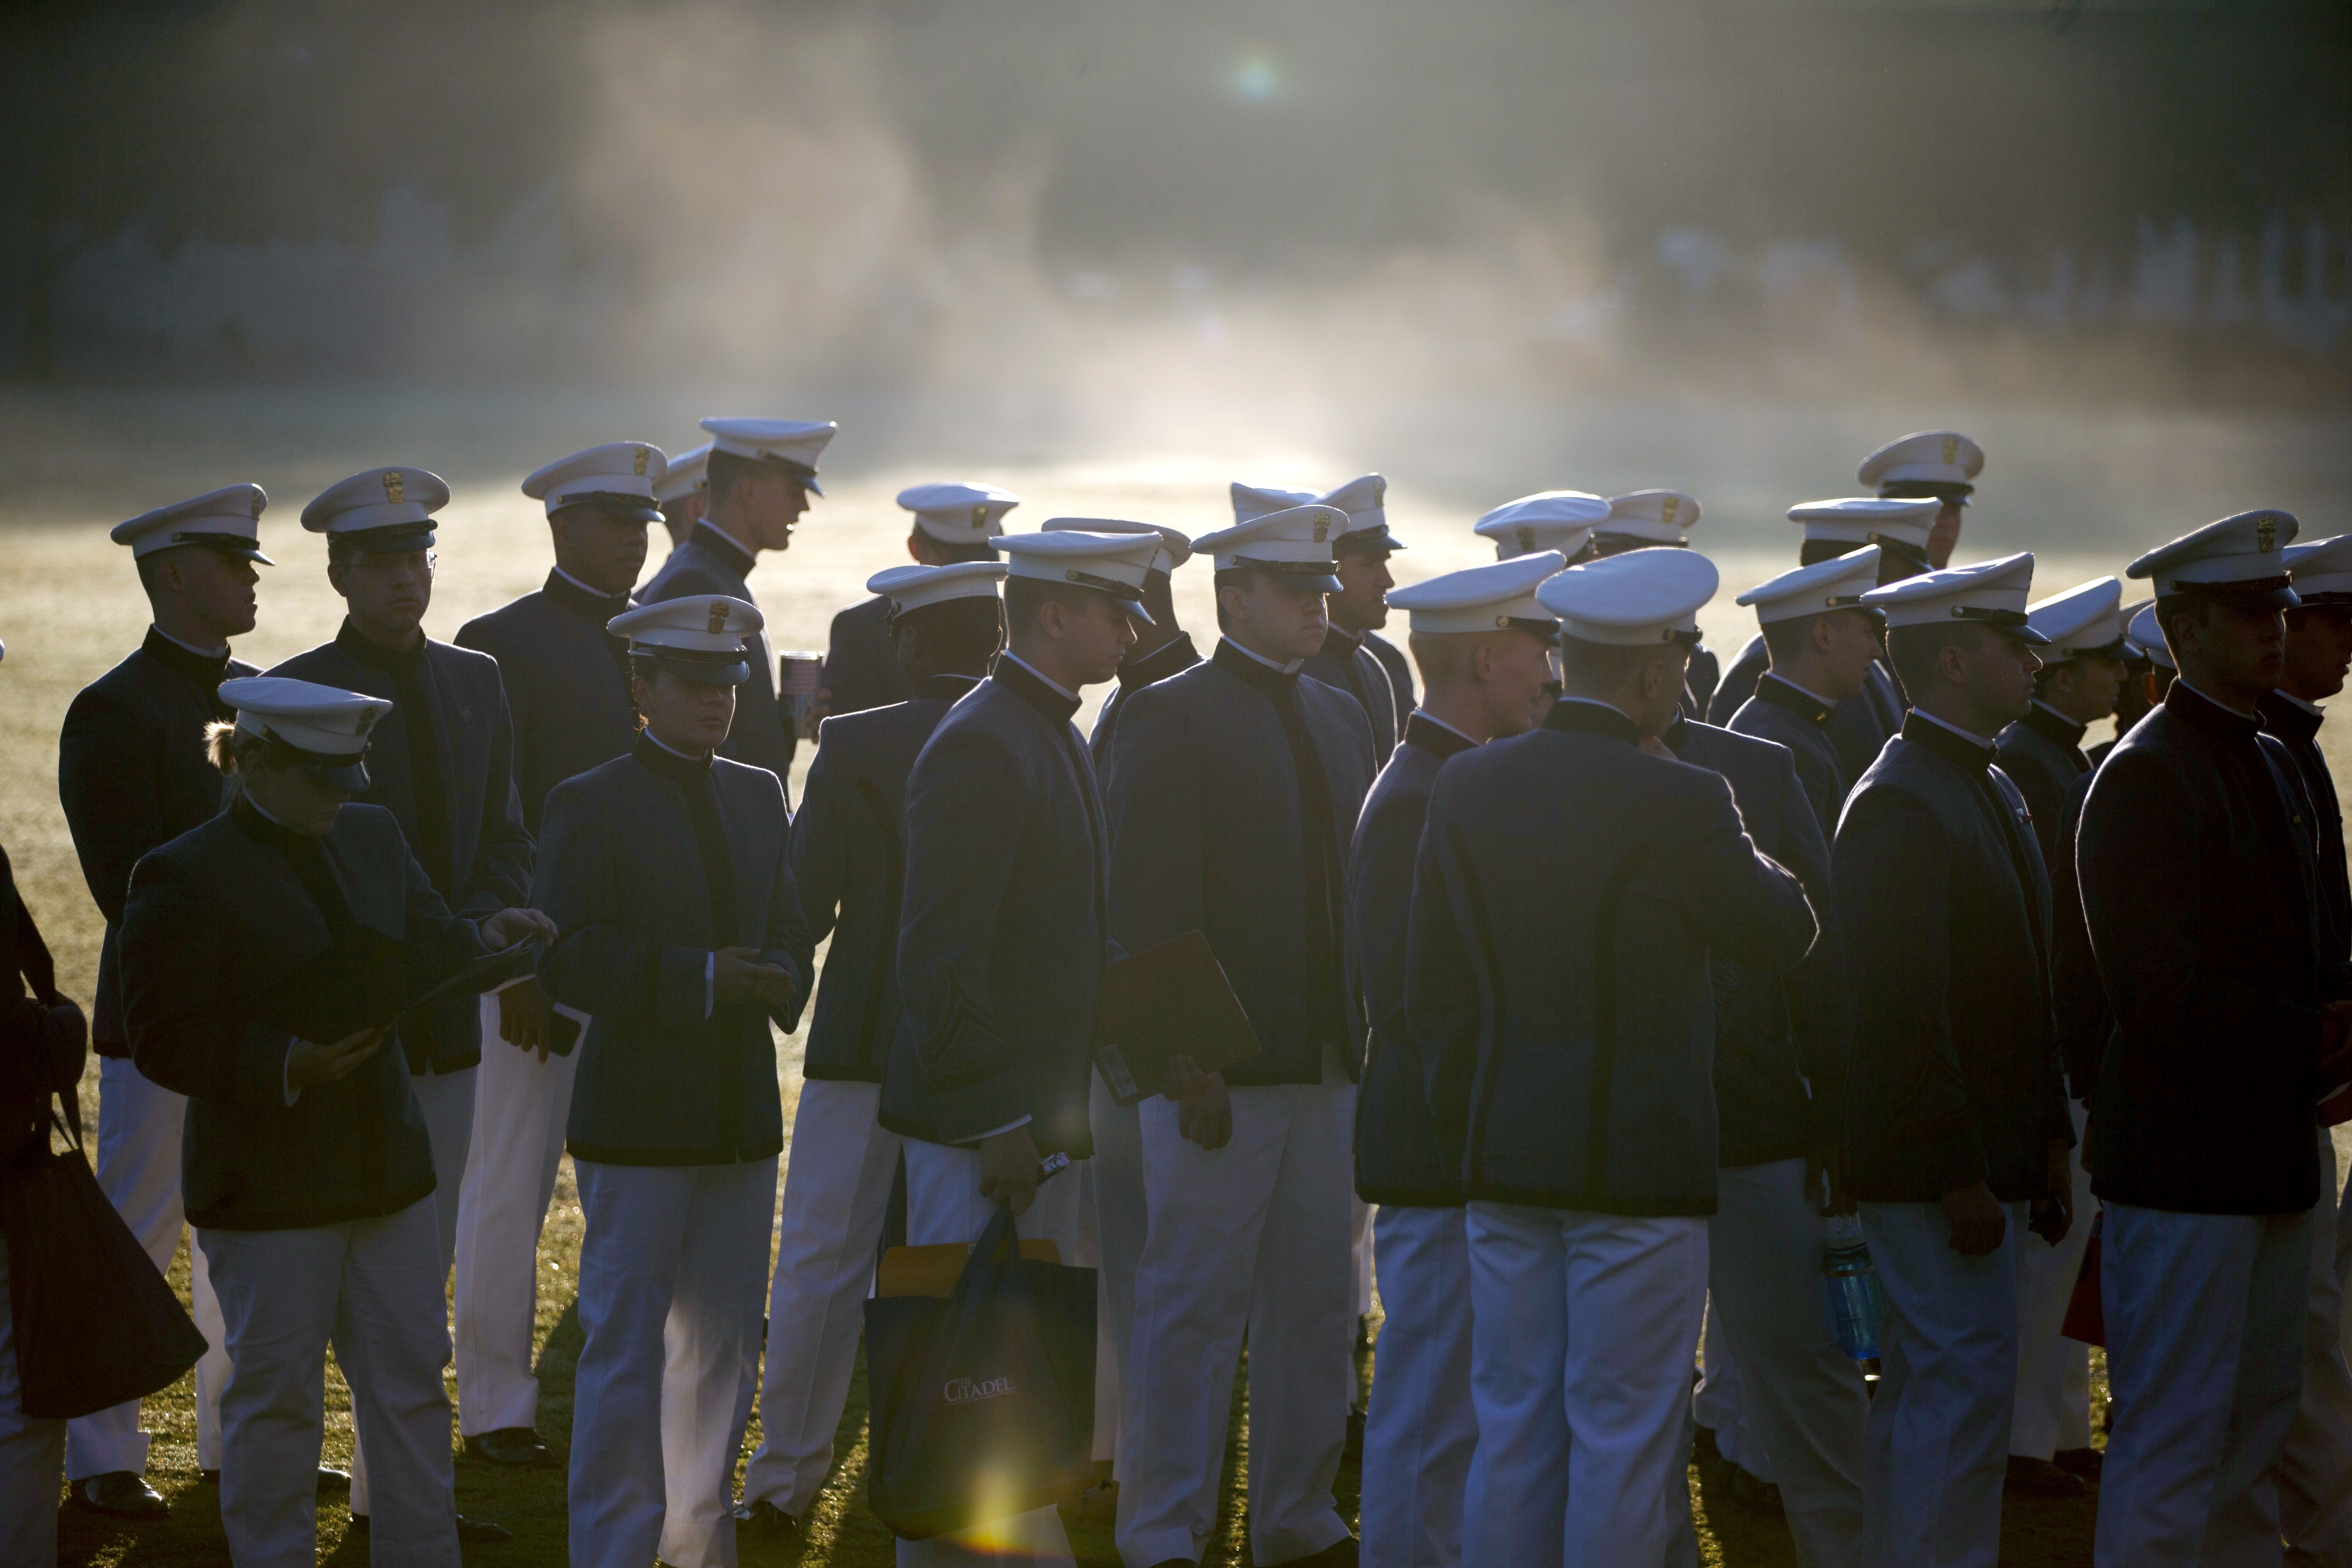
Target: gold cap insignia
(719,617)
(1322,530)
(979,515)
(644,456)
(367,719)
(1671,505)
(256,507)
(2265,535)
(393,485)
(1380,492)
(1952,448)
(1526,540)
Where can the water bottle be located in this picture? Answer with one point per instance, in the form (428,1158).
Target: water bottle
(1857,1299)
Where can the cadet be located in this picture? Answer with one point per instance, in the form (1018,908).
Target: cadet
(1652,520)
(1590,1164)
(1004,937)
(1161,649)
(2198,890)
(1231,789)
(2082,670)
(1548,519)
(1822,646)
(684,493)
(849,865)
(1941,465)
(567,692)
(265,956)
(2315,1467)
(669,872)
(763,472)
(952,523)
(1361,608)
(2138,696)
(1485,647)
(1956,1118)
(131,774)
(1780,1086)
(1861,724)
(2081,673)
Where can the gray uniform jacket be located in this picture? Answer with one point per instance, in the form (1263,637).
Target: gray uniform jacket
(2201,898)
(850,865)
(1216,827)
(1343,661)
(647,866)
(2043,756)
(1002,944)
(242,937)
(1398,1159)
(131,774)
(1556,972)
(1174,657)
(1789,716)
(861,659)
(442,762)
(1779,1038)
(710,563)
(2297,728)
(1954,1075)
(1860,725)
(566,682)
(2077,997)
(1399,670)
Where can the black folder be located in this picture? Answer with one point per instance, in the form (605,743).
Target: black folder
(1169,1000)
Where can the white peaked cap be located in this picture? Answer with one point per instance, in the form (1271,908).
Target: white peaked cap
(227,520)
(1837,584)
(1627,601)
(1365,500)
(1112,563)
(1992,593)
(1254,502)
(792,444)
(2144,634)
(1871,520)
(2244,555)
(1929,457)
(1175,549)
(387,510)
(618,476)
(687,472)
(1483,598)
(1659,517)
(1548,519)
(2087,618)
(2322,569)
(701,637)
(959,513)
(327,724)
(1295,544)
(913,587)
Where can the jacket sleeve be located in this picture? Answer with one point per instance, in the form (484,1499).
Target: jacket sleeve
(1152,802)
(105,782)
(1749,910)
(966,814)
(790,945)
(1816,987)
(502,857)
(428,923)
(592,966)
(184,1033)
(820,843)
(1891,872)
(2078,1001)
(1380,902)
(1445,1002)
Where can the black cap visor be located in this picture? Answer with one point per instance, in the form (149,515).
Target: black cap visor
(703,668)
(1307,576)
(235,544)
(2266,594)
(621,508)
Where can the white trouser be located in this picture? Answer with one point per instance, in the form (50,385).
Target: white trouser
(448,1101)
(1421,1430)
(374,1288)
(944,1205)
(521,1105)
(2204,1317)
(2053,1372)
(1117,1173)
(663,1272)
(1804,1408)
(32,1459)
(1359,1270)
(1715,1403)
(1940,1425)
(1251,1238)
(836,1188)
(2315,1466)
(139,1124)
(1580,1342)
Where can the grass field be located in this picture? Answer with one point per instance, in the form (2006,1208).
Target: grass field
(69,608)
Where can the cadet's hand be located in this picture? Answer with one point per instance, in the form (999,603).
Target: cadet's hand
(740,979)
(2053,1214)
(1657,748)
(523,1013)
(1204,1111)
(308,1062)
(1008,1168)
(509,927)
(1979,1221)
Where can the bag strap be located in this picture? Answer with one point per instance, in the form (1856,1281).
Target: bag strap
(993,1239)
(33,959)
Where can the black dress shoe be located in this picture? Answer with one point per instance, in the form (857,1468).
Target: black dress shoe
(2083,1462)
(1703,1443)
(518,1447)
(765,1518)
(1355,1444)
(120,1494)
(471,1532)
(332,1479)
(2040,1477)
(1752,1489)
(1341,1553)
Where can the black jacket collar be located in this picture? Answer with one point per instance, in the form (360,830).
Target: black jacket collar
(352,643)
(1947,743)
(1572,717)
(2197,709)
(596,608)
(1342,643)
(660,760)
(1421,730)
(202,670)
(2054,726)
(1016,677)
(1172,657)
(1779,693)
(2287,719)
(946,687)
(262,830)
(1252,670)
(726,549)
